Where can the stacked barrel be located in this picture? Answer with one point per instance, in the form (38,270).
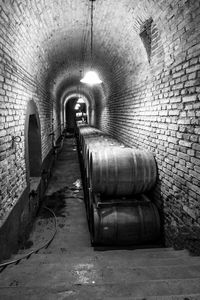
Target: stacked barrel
(115,178)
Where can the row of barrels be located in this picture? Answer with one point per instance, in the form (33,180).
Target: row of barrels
(115,178)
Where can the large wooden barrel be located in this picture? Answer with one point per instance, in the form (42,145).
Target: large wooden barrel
(84,129)
(98,200)
(122,171)
(98,145)
(103,138)
(134,224)
(88,132)
(80,128)
(91,140)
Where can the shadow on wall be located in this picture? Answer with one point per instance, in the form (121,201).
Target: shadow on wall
(34,147)
(70,115)
(156,195)
(175,234)
(33,155)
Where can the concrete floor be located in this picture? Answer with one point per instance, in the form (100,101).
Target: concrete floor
(71,269)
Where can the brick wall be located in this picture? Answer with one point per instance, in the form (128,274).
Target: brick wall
(161,113)
(15,94)
(18,85)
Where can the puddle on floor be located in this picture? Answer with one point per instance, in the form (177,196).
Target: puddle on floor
(85,274)
(78,184)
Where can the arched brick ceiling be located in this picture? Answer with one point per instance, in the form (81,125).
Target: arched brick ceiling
(50,40)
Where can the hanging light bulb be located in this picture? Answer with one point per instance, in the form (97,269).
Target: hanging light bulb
(80,100)
(91,77)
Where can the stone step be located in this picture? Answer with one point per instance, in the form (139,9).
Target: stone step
(171,297)
(112,258)
(72,295)
(91,272)
(115,253)
(133,253)
(134,290)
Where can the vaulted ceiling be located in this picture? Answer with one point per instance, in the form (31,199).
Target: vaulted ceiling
(50,39)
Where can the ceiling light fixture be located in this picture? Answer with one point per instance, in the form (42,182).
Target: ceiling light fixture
(91,77)
(80,100)
(77,106)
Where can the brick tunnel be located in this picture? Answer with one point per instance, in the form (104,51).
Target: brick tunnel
(147,54)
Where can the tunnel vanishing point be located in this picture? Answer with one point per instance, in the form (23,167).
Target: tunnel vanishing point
(147,54)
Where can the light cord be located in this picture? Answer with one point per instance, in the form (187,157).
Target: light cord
(91,33)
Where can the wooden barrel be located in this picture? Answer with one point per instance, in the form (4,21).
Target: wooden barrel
(92,135)
(98,145)
(80,128)
(103,138)
(125,225)
(98,200)
(83,129)
(91,140)
(122,171)
(87,132)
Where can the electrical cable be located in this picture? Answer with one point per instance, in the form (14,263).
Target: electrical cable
(45,245)
(85,37)
(91,33)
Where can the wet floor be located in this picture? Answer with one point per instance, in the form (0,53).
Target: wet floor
(65,197)
(70,268)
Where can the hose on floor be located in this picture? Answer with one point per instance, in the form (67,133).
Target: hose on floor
(45,245)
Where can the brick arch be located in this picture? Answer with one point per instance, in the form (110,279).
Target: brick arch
(72,96)
(76,91)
